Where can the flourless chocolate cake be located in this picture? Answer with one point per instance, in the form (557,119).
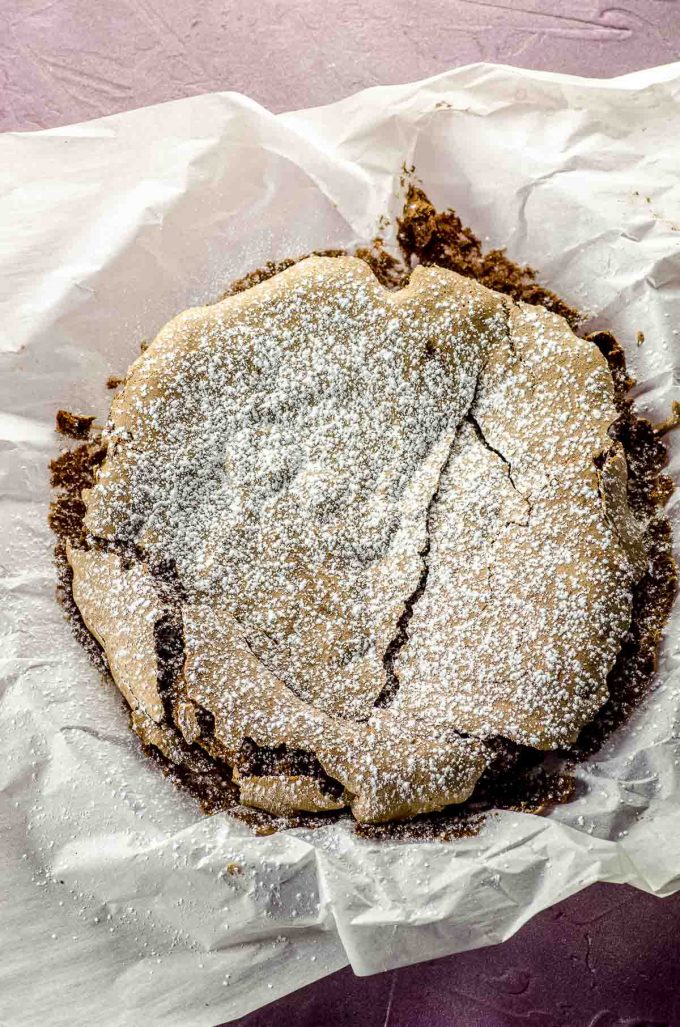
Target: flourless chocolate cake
(372,535)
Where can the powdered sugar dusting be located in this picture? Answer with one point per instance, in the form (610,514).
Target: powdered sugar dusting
(529,585)
(314,455)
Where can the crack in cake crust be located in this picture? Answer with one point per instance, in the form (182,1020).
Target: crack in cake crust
(400,638)
(487,445)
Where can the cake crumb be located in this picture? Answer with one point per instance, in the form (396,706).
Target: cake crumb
(671,422)
(75,426)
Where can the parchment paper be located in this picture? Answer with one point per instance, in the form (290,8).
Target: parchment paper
(116,905)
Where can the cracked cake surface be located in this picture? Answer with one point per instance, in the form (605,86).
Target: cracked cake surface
(386,527)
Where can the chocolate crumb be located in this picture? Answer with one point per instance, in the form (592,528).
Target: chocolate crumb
(75,426)
(74,469)
(72,472)
(671,422)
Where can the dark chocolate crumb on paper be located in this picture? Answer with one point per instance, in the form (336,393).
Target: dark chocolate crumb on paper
(671,422)
(75,426)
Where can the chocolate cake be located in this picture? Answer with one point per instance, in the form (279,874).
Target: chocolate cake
(372,534)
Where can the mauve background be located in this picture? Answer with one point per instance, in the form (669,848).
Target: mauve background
(609,957)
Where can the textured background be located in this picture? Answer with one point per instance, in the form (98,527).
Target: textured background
(609,957)
(68,60)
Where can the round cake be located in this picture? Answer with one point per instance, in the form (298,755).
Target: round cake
(345,538)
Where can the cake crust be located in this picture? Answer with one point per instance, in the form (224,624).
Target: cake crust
(398,528)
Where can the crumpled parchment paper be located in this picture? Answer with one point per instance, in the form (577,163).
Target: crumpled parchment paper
(117,907)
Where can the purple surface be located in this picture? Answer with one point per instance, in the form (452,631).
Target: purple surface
(606,958)
(68,60)
(609,957)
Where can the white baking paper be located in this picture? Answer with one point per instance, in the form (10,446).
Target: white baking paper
(116,906)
